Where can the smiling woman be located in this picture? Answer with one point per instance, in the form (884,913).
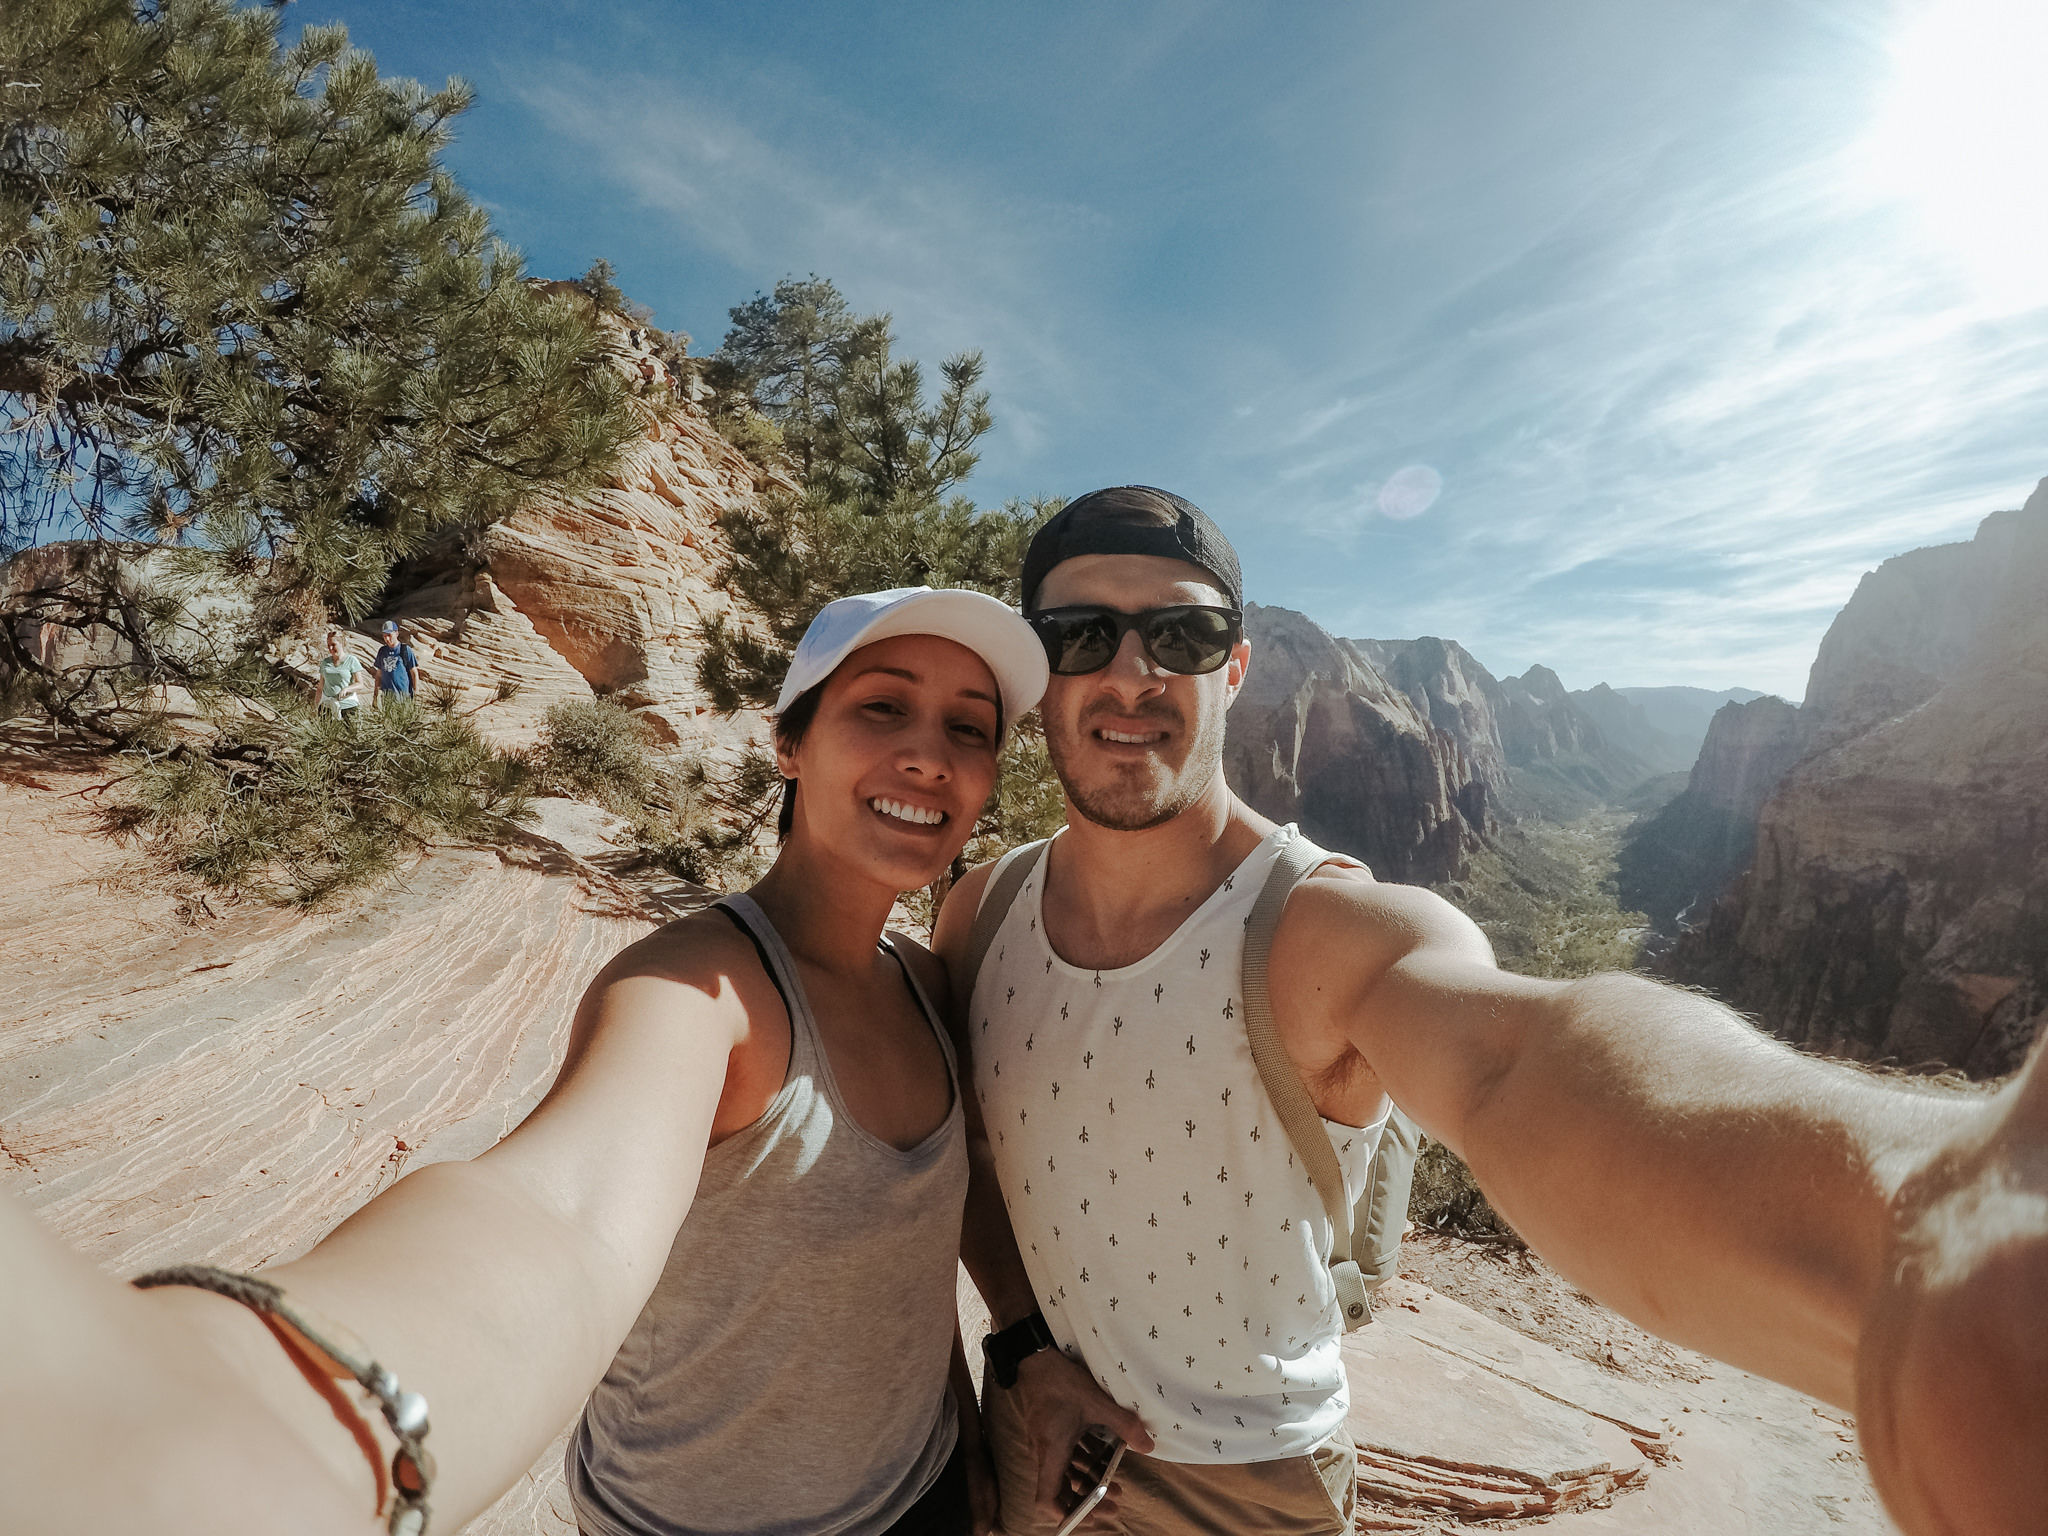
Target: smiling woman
(736,1210)
(979,627)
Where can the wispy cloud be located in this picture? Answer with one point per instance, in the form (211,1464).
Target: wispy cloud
(1622,276)
(957,262)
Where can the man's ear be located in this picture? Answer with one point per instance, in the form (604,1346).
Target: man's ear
(785,762)
(1236,668)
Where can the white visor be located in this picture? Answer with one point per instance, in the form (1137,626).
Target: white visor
(986,627)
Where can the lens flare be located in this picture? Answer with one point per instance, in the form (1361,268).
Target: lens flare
(1410,492)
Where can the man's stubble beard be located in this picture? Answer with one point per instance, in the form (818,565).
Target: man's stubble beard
(1122,806)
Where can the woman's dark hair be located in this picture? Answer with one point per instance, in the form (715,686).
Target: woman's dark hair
(792,725)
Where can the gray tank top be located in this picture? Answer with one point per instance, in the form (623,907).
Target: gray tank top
(789,1372)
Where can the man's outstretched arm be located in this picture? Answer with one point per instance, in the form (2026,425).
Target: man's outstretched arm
(1877,1243)
(1696,1175)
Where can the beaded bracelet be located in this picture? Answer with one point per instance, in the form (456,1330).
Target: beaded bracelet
(412,1468)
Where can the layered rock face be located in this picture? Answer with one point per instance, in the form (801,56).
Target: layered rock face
(569,598)
(1320,736)
(45,588)
(1451,690)
(1681,858)
(1536,746)
(1897,906)
(600,594)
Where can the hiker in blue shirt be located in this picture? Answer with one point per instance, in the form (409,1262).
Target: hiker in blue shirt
(398,665)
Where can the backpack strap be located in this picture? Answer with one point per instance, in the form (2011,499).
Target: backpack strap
(1004,882)
(1298,1117)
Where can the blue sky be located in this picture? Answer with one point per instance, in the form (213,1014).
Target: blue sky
(1617,335)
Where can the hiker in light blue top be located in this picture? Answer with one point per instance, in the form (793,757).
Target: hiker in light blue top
(339,691)
(398,666)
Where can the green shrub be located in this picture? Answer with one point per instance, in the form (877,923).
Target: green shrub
(294,807)
(596,750)
(697,825)
(1446,1198)
(702,825)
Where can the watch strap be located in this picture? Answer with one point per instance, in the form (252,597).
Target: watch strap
(1010,1347)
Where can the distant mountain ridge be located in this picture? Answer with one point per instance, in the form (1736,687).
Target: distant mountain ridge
(1683,714)
(1319,736)
(1406,753)
(1543,749)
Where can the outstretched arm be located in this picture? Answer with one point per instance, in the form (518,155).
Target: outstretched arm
(1698,1176)
(502,1287)
(120,1401)
(498,1288)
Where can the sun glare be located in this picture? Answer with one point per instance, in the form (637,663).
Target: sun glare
(1963,136)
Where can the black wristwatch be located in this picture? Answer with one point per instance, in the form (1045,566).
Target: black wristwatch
(1006,1350)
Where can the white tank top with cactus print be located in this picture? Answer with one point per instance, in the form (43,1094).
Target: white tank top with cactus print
(1177,1247)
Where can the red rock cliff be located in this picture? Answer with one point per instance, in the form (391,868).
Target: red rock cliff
(1319,736)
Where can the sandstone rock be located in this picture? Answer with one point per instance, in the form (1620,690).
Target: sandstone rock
(1676,862)
(1897,904)
(1464,1424)
(600,594)
(569,598)
(1532,744)
(1319,736)
(74,578)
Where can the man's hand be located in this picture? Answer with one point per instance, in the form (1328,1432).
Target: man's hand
(1952,1375)
(1058,1401)
(984,1499)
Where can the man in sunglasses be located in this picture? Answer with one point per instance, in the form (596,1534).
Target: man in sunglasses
(1156,1263)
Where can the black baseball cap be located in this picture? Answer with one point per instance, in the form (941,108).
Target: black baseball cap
(1132,520)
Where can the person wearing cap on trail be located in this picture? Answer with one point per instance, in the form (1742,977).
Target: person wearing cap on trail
(1154,1261)
(732,1226)
(397,666)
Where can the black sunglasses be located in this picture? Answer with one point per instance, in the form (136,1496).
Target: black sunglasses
(1188,639)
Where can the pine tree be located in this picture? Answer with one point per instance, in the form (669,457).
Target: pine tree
(783,355)
(243,307)
(875,460)
(886,452)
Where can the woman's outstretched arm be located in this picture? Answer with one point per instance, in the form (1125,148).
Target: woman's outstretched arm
(117,1414)
(499,1288)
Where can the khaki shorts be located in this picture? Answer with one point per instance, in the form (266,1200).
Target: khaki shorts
(1314,1494)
